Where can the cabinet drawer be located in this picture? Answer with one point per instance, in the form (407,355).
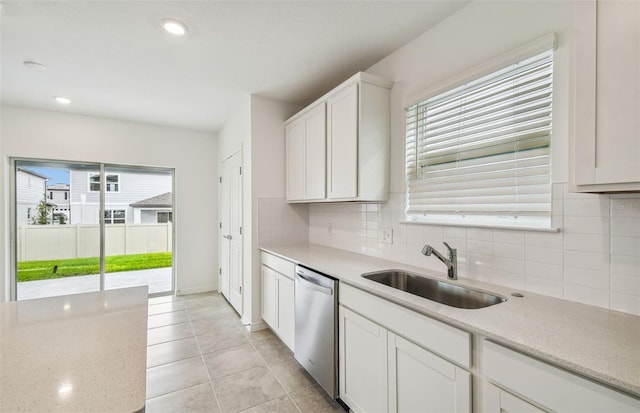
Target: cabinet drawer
(551,386)
(284,267)
(450,342)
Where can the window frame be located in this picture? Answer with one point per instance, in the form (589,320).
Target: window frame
(169,217)
(117,183)
(522,53)
(110,219)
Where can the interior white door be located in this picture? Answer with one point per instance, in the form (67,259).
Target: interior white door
(224,230)
(231,230)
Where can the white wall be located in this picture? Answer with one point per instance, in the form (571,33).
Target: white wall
(268,175)
(59,136)
(595,259)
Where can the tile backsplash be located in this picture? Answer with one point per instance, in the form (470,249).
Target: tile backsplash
(280,223)
(594,259)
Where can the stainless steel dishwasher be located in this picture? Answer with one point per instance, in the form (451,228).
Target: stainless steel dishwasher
(316,314)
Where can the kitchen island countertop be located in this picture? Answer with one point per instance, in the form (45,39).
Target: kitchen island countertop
(592,341)
(75,353)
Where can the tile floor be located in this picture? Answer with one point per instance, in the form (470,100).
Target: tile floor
(201,359)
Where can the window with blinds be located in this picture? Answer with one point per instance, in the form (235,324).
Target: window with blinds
(481,151)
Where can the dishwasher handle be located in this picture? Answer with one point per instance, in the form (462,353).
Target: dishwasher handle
(309,284)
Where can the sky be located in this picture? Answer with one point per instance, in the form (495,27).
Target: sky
(55,175)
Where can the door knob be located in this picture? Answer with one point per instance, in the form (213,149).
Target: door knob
(227,237)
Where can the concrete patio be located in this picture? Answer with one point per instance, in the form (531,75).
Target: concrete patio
(158,280)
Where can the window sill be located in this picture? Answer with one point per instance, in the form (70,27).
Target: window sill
(487,226)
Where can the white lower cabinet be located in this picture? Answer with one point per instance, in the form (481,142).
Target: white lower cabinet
(500,401)
(363,362)
(550,387)
(269,301)
(382,370)
(286,309)
(278,297)
(420,381)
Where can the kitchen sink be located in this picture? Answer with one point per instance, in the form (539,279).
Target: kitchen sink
(435,290)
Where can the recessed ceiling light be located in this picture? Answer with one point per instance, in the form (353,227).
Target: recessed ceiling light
(62,100)
(34,65)
(174,27)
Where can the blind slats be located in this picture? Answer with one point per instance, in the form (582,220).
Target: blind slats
(484,148)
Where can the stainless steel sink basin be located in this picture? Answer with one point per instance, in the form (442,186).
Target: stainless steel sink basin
(435,290)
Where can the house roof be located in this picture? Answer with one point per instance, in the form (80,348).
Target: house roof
(30,172)
(58,187)
(159,201)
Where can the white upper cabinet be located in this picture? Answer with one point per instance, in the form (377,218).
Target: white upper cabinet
(306,155)
(342,143)
(606,97)
(338,147)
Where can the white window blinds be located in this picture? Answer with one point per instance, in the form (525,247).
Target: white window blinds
(484,148)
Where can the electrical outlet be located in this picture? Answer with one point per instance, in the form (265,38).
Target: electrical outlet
(386,235)
(330,229)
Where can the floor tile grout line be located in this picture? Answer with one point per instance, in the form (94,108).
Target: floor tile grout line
(201,354)
(275,376)
(176,361)
(173,361)
(177,390)
(313,384)
(206,369)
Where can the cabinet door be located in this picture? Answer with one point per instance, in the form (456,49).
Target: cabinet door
(606,137)
(269,290)
(296,152)
(548,385)
(363,363)
(420,381)
(306,156)
(497,400)
(286,320)
(342,144)
(315,154)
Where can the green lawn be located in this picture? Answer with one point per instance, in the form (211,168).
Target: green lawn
(44,270)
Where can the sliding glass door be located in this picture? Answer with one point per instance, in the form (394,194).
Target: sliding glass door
(83,227)
(138,216)
(53,255)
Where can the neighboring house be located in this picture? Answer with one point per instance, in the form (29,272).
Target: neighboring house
(30,190)
(154,210)
(122,190)
(58,194)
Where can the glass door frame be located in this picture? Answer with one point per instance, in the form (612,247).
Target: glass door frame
(13,233)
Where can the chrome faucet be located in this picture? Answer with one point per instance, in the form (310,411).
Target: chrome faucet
(451,262)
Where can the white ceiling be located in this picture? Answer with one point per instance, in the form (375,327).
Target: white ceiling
(113,59)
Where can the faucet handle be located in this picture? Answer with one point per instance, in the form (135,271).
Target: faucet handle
(452,251)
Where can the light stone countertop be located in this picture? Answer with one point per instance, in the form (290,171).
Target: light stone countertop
(75,353)
(598,343)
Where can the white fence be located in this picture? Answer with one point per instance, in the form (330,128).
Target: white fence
(48,242)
